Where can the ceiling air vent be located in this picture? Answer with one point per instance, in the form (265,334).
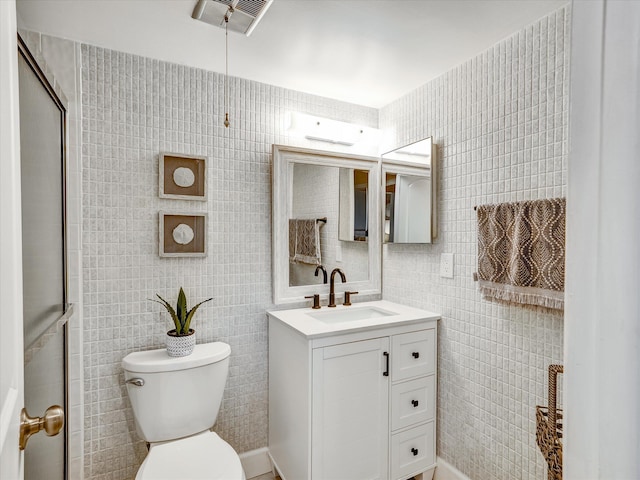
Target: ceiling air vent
(245,15)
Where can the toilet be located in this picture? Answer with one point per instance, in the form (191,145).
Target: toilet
(175,402)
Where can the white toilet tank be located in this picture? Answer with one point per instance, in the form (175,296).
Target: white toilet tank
(175,397)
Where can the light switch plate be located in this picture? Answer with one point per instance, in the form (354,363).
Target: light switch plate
(446,265)
(339,253)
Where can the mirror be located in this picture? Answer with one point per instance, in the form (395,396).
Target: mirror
(322,215)
(409,188)
(353,214)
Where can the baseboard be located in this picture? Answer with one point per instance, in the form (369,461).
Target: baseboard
(446,471)
(255,462)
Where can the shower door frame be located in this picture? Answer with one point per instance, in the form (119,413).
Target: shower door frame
(61,322)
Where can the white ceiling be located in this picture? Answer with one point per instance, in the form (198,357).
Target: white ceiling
(368,52)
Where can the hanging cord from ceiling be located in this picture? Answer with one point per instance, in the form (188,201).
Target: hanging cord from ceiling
(226,66)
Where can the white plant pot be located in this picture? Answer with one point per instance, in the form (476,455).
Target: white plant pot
(180,346)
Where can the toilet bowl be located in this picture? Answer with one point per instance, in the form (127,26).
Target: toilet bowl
(175,403)
(206,456)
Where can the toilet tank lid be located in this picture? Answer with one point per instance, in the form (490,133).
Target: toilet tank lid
(155,361)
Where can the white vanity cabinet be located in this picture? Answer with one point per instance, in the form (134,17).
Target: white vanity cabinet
(353,403)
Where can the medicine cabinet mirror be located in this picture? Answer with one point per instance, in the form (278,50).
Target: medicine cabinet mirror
(327,194)
(409,194)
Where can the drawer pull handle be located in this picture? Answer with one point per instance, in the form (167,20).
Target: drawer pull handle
(386,372)
(414,451)
(414,403)
(416,354)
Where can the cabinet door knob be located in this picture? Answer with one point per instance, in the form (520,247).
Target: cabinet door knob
(414,403)
(414,451)
(416,354)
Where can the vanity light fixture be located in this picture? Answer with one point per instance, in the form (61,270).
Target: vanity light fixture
(327,130)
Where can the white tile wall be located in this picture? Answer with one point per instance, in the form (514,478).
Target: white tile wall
(500,121)
(132,109)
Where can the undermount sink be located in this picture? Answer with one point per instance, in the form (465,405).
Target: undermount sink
(349,314)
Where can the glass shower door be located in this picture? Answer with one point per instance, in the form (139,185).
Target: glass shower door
(42,134)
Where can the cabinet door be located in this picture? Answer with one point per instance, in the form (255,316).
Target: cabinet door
(350,426)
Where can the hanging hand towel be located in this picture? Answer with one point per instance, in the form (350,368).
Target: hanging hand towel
(521,251)
(304,241)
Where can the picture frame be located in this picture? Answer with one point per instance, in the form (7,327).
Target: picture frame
(182,176)
(182,234)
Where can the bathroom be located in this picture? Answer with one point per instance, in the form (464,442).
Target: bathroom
(492,359)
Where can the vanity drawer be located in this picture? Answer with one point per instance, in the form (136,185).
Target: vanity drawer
(413,355)
(412,451)
(413,402)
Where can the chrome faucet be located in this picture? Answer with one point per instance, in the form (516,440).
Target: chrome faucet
(332,293)
(324,273)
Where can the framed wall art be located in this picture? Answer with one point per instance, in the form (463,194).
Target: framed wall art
(182,177)
(182,234)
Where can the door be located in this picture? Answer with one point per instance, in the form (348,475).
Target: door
(11,374)
(42,167)
(350,421)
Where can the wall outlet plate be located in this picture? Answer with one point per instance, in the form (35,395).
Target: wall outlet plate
(446,265)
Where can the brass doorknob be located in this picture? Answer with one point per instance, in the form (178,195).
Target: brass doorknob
(52,423)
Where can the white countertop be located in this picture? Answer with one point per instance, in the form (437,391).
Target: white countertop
(300,319)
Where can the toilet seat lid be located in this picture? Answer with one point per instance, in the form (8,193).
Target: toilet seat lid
(200,457)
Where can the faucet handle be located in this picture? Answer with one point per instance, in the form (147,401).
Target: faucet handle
(316,300)
(347,298)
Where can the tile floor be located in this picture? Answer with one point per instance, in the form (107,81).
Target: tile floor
(266,476)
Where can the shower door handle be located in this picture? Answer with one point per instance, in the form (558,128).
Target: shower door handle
(52,423)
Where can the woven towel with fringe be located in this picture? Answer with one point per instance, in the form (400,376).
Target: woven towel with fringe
(521,252)
(549,428)
(304,241)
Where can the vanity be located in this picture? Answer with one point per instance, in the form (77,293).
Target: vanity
(352,392)
(352,389)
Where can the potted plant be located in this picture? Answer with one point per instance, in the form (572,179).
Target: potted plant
(181,340)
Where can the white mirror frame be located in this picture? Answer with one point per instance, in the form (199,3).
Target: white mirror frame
(283,159)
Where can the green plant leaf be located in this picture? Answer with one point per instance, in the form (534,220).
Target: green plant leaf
(192,312)
(181,316)
(169,308)
(181,310)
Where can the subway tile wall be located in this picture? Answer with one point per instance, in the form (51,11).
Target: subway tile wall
(500,121)
(132,109)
